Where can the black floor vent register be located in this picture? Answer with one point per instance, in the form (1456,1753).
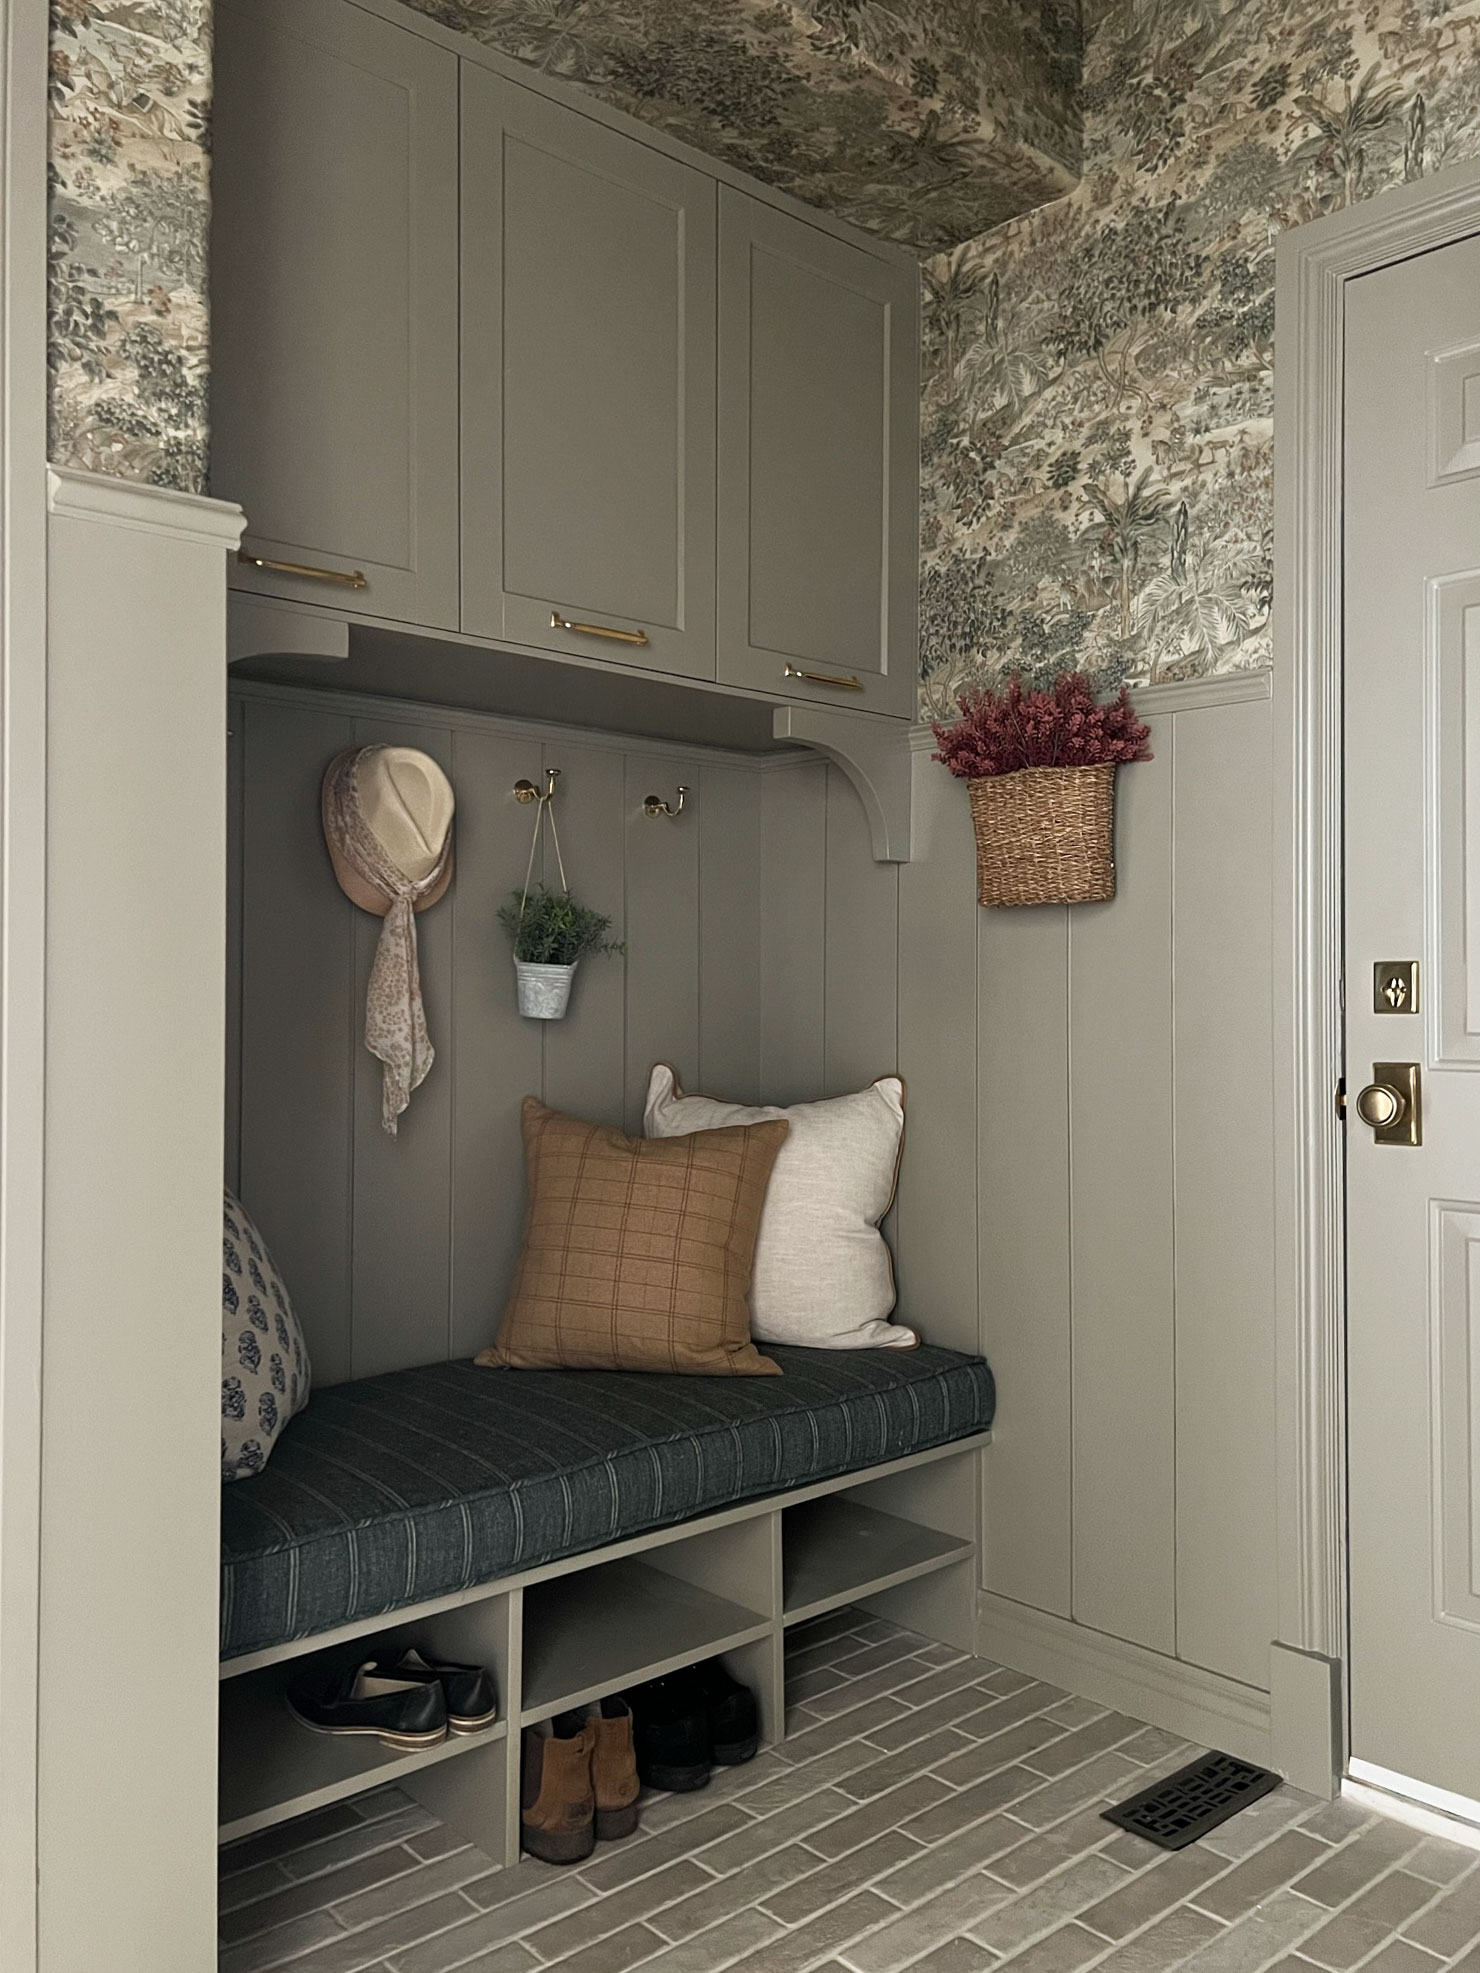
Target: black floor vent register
(1195,1799)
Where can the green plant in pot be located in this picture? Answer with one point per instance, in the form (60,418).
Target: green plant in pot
(551,934)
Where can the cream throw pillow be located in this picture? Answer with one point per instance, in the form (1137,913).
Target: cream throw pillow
(823,1273)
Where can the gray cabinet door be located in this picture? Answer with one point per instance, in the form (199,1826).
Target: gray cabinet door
(334,303)
(818,463)
(588,386)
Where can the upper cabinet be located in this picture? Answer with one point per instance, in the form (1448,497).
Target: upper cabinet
(819,463)
(521,374)
(334,305)
(588,385)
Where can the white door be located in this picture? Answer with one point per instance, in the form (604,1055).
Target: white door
(1412,690)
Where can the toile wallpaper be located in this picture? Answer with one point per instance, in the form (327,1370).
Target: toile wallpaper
(925,121)
(130,108)
(1097,417)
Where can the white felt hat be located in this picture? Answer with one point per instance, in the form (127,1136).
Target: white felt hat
(406,803)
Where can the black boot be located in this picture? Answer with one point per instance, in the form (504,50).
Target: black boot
(734,1724)
(670,1732)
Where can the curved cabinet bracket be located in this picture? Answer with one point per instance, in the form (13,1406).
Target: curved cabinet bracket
(257,627)
(874,753)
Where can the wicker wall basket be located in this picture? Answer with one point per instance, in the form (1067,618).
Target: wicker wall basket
(1045,835)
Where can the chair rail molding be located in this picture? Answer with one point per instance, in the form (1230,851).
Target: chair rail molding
(1313,265)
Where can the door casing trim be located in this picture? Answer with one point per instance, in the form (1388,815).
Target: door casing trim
(1313,265)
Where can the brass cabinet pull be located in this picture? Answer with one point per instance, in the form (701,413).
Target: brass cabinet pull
(558,622)
(346,578)
(845,682)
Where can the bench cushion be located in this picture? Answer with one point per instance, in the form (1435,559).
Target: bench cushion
(398,1489)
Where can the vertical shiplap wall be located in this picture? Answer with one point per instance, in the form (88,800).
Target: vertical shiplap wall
(1086,1192)
(1090,1161)
(762,961)
(400,1250)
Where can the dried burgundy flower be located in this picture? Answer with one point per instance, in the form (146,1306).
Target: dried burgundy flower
(1001,732)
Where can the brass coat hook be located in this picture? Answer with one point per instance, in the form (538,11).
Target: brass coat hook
(655,804)
(526,792)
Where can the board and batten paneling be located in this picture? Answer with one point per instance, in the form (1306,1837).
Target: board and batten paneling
(935,1218)
(762,946)
(1222,1048)
(1024,1244)
(1117,1223)
(1121,1192)
(829,991)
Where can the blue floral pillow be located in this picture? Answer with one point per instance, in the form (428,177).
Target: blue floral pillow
(264,1361)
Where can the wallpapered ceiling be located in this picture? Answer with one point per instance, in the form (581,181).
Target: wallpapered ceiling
(1097,419)
(925,121)
(130,104)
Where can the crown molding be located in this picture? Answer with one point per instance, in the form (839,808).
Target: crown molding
(72,494)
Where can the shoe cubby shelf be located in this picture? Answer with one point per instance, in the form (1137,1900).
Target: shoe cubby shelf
(836,1551)
(617,1624)
(898,1539)
(274,1767)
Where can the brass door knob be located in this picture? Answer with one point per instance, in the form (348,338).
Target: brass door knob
(1392,1103)
(1381,1105)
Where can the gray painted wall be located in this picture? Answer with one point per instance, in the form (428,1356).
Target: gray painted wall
(1086,1189)
(762,947)
(1090,1162)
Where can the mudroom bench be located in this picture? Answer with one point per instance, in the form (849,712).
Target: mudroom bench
(579,1531)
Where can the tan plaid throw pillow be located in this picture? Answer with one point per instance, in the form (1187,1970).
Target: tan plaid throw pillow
(637,1252)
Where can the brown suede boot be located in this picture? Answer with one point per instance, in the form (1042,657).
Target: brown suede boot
(557,1805)
(614,1770)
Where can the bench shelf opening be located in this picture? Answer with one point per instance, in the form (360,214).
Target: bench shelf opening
(836,1551)
(274,1768)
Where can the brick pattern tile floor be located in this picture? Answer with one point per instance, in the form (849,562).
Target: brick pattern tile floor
(928,1811)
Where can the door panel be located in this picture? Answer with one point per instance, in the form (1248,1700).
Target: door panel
(819,453)
(588,385)
(1412,695)
(1452,615)
(334,303)
(1455,1316)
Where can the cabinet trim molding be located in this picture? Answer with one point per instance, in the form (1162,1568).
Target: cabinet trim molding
(80,496)
(371,705)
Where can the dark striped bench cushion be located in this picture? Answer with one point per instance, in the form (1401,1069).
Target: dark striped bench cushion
(402,1488)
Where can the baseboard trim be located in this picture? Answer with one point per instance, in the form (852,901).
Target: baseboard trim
(1199,1705)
